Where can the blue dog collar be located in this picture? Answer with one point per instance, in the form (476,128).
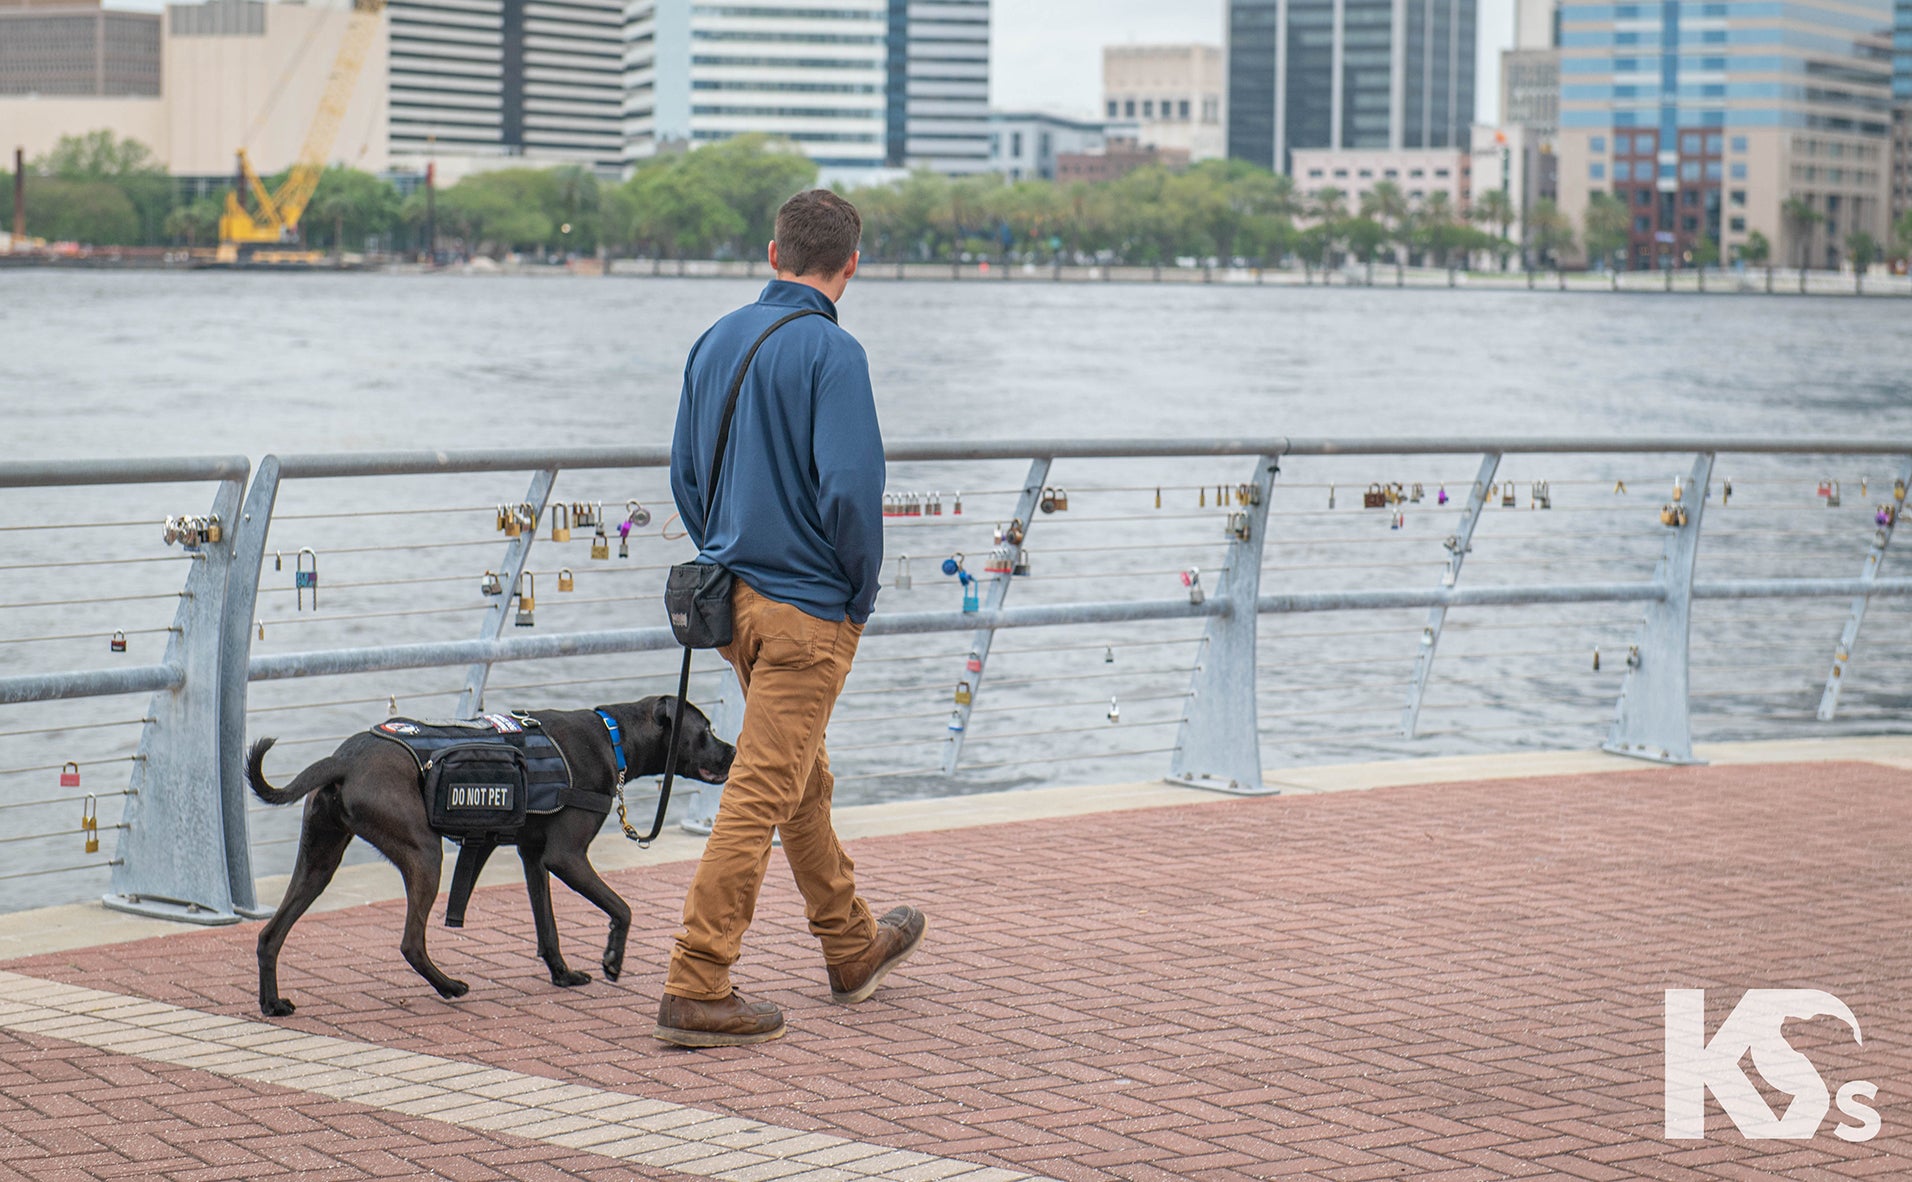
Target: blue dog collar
(617,742)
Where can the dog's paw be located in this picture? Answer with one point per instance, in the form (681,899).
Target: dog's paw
(613,969)
(570,978)
(278,1007)
(452,989)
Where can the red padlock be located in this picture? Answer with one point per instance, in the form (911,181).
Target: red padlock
(69,775)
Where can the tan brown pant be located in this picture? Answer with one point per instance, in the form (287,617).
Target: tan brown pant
(792,667)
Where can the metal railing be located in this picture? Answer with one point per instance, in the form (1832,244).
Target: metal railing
(184,845)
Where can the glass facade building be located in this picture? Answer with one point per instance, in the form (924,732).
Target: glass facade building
(1705,119)
(1359,74)
(858,85)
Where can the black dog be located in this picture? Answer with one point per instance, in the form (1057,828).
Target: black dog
(371,788)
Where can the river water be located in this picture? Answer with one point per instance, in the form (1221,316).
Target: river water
(136,364)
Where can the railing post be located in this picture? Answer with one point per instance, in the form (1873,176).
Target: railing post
(1218,746)
(517,554)
(998,591)
(1459,544)
(1653,720)
(726,722)
(182,855)
(235,658)
(1875,556)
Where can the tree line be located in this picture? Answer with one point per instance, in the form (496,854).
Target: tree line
(720,202)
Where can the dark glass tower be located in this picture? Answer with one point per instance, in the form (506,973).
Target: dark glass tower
(1348,74)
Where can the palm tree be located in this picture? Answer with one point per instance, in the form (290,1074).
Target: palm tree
(1496,208)
(1757,251)
(1801,217)
(1330,209)
(1552,233)
(1605,227)
(1863,248)
(1385,203)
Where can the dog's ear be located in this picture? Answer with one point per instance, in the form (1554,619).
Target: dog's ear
(661,710)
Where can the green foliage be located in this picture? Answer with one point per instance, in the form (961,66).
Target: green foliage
(1902,233)
(1705,252)
(1863,249)
(720,200)
(1756,250)
(348,207)
(1550,230)
(92,213)
(1605,225)
(88,167)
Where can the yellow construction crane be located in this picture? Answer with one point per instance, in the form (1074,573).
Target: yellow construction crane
(270,234)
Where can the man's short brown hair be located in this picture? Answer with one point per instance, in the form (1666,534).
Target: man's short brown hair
(817,232)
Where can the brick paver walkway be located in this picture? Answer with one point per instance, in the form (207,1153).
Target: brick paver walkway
(1454,981)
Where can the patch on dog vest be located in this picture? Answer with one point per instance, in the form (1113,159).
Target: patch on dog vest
(484,775)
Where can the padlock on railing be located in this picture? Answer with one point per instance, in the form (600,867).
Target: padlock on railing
(972,602)
(963,695)
(490,584)
(889,505)
(1679,488)
(118,643)
(1192,579)
(1400,520)
(955,722)
(958,510)
(1885,515)
(1507,498)
(1440,495)
(69,774)
(953,565)
(1115,711)
(1541,496)
(1014,534)
(1673,516)
(1414,494)
(1022,563)
(903,581)
(304,580)
(560,522)
(601,544)
(566,580)
(637,514)
(624,538)
(974,662)
(1238,526)
(936,504)
(1048,502)
(1375,498)
(1108,654)
(1596,659)
(1062,499)
(513,524)
(1633,656)
(90,823)
(527,600)
(997,562)
(527,518)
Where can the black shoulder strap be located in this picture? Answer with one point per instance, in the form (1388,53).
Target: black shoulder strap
(730,408)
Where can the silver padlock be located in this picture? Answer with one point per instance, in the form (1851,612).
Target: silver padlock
(1192,579)
(902,572)
(527,601)
(1022,562)
(490,584)
(638,516)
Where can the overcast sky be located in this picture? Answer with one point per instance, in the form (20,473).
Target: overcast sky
(1047,54)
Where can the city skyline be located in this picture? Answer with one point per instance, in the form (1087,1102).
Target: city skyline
(1032,69)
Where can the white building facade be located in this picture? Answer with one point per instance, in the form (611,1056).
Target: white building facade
(1023,145)
(696,74)
(536,78)
(1174,94)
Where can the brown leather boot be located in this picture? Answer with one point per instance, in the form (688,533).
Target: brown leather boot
(727,1022)
(898,934)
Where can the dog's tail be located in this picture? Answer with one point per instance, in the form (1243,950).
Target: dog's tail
(323,774)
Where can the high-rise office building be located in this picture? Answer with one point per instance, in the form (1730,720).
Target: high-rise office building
(76,47)
(1705,119)
(1348,74)
(539,78)
(937,107)
(860,87)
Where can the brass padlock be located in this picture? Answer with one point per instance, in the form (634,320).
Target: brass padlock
(528,518)
(560,522)
(1898,490)
(1048,502)
(1062,499)
(513,526)
(1375,498)
(601,544)
(1391,494)
(1679,488)
(213,532)
(1673,516)
(963,697)
(490,584)
(566,580)
(527,600)
(90,823)
(502,519)
(1507,498)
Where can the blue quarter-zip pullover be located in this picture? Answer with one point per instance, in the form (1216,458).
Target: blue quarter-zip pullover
(799,505)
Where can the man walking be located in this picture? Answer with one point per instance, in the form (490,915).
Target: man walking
(797,517)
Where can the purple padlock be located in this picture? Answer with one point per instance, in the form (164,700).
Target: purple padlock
(1440,498)
(624,529)
(1883,516)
